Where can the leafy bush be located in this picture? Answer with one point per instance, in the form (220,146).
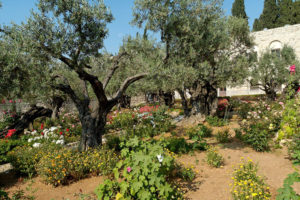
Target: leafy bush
(238,134)
(223,136)
(179,145)
(294,149)
(213,158)
(199,132)
(257,136)
(60,166)
(290,123)
(287,192)
(25,158)
(7,145)
(215,121)
(186,173)
(143,174)
(247,184)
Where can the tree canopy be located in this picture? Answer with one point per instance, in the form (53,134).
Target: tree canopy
(238,9)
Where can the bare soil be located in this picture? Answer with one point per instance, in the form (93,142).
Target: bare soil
(210,183)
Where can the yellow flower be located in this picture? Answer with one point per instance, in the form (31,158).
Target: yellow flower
(254,194)
(119,196)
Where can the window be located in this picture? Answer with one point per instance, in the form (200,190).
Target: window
(276,52)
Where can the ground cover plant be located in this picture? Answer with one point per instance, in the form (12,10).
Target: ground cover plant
(214,158)
(143,171)
(287,192)
(247,184)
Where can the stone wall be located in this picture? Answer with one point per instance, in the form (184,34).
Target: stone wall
(273,38)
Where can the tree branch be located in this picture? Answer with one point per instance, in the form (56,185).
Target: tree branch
(125,85)
(95,83)
(113,69)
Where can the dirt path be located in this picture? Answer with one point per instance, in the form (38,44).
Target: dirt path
(35,187)
(213,184)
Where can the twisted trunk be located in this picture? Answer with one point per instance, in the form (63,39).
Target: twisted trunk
(27,118)
(271,94)
(184,102)
(204,99)
(93,127)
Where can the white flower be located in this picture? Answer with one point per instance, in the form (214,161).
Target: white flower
(36,145)
(33,132)
(160,158)
(60,142)
(53,128)
(30,140)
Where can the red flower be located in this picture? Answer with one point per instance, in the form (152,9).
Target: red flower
(42,126)
(3,101)
(10,133)
(10,101)
(60,133)
(42,133)
(68,130)
(133,116)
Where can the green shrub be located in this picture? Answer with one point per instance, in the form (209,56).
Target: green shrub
(257,136)
(186,173)
(7,145)
(213,158)
(59,166)
(287,192)
(223,136)
(238,133)
(199,132)
(179,145)
(215,121)
(113,142)
(141,175)
(294,149)
(290,123)
(247,184)
(25,158)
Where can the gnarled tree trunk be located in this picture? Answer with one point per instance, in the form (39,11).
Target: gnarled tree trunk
(184,102)
(56,104)
(28,117)
(204,99)
(166,98)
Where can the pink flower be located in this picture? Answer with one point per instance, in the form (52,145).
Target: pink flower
(128,169)
(73,126)
(281,103)
(10,101)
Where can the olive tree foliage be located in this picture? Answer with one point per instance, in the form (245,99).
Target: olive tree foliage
(140,55)
(271,71)
(200,40)
(17,67)
(71,33)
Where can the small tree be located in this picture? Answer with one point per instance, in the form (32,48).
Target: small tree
(72,32)
(272,71)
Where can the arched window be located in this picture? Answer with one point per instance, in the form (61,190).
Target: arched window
(275,47)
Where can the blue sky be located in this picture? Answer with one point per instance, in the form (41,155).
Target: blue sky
(18,10)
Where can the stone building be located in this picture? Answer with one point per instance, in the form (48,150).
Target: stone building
(273,39)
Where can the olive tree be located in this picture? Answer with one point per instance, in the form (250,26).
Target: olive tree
(272,70)
(198,38)
(72,32)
